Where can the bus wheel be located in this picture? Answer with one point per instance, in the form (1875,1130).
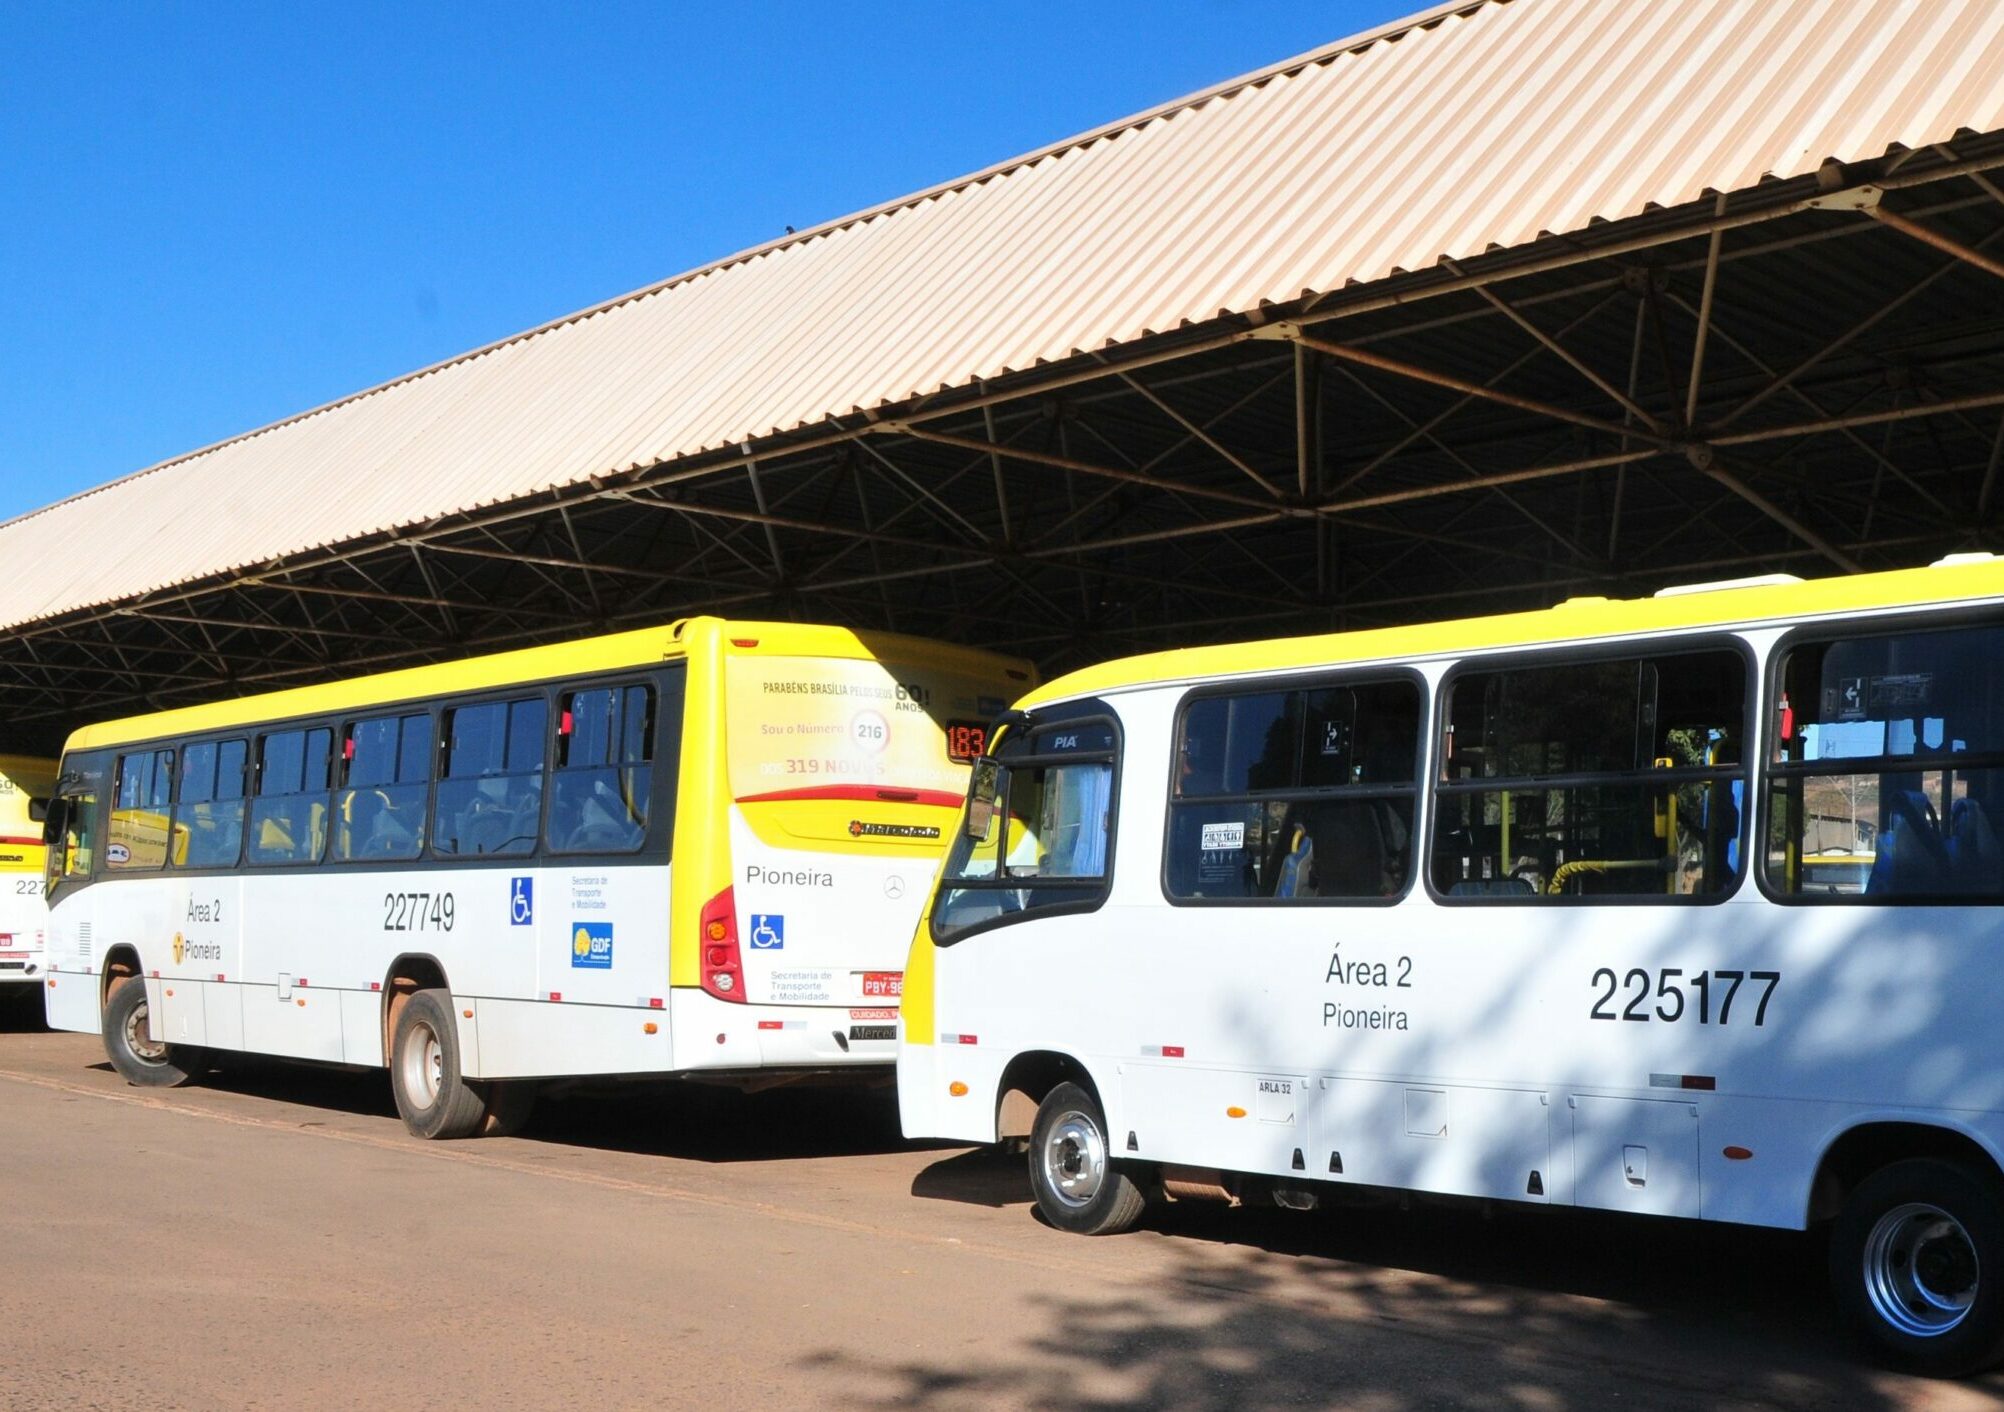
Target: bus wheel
(1078,1186)
(432,1095)
(128,1039)
(1917,1258)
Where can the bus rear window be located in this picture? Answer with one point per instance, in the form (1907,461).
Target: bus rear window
(837,728)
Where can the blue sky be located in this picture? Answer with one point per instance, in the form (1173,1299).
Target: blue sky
(215,215)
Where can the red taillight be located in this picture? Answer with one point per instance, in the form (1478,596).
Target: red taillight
(723,970)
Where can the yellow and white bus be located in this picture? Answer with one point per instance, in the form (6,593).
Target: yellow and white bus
(23,915)
(696,849)
(1687,906)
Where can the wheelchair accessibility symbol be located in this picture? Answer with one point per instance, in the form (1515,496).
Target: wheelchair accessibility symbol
(768,932)
(521,902)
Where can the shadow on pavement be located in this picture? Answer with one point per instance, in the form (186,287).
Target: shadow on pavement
(981,1176)
(1368,1303)
(21,1009)
(700,1123)
(661,1118)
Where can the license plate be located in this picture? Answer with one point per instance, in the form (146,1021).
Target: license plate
(884,983)
(873,1031)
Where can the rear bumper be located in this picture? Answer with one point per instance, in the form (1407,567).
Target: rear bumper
(23,971)
(717,1034)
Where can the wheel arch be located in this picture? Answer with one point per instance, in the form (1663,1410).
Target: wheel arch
(121,963)
(410,973)
(1027,1078)
(1852,1155)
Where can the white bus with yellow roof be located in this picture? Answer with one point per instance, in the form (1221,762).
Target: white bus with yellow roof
(1690,906)
(23,915)
(696,849)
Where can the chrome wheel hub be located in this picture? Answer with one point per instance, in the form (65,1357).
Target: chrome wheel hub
(423,1065)
(1073,1158)
(1920,1270)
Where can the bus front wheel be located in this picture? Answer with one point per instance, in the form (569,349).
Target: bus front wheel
(1078,1186)
(1917,1260)
(433,1096)
(129,1043)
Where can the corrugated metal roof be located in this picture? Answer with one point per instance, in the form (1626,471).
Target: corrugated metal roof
(1472,126)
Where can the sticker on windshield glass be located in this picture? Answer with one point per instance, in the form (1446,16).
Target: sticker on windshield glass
(768,932)
(591,945)
(1217,836)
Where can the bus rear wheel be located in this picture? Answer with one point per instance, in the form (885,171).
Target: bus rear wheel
(1078,1186)
(433,1096)
(144,1061)
(1917,1260)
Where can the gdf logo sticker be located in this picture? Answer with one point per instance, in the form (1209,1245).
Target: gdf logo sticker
(591,946)
(768,932)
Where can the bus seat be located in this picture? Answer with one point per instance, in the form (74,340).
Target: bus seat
(1349,849)
(1912,859)
(1296,868)
(274,840)
(1976,863)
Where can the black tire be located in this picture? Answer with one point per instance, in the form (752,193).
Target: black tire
(1078,1185)
(1917,1262)
(128,1039)
(433,1095)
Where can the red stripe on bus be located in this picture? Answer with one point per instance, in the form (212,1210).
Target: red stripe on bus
(23,842)
(858,793)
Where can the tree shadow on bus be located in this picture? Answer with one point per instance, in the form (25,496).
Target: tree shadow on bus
(1388,1313)
(702,1123)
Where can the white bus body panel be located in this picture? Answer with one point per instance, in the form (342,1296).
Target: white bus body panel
(294,964)
(820,928)
(563,976)
(1443,1048)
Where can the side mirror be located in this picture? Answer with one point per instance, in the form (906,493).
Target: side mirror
(981,796)
(38,811)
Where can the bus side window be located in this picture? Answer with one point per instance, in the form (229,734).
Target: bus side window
(490,790)
(288,818)
(1620,777)
(209,819)
(138,835)
(1888,768)
(1295,794)
(604,772)
(385,775)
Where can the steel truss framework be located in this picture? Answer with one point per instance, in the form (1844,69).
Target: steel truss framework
(1803,376)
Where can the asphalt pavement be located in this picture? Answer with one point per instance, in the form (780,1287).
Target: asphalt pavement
(273,1238)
